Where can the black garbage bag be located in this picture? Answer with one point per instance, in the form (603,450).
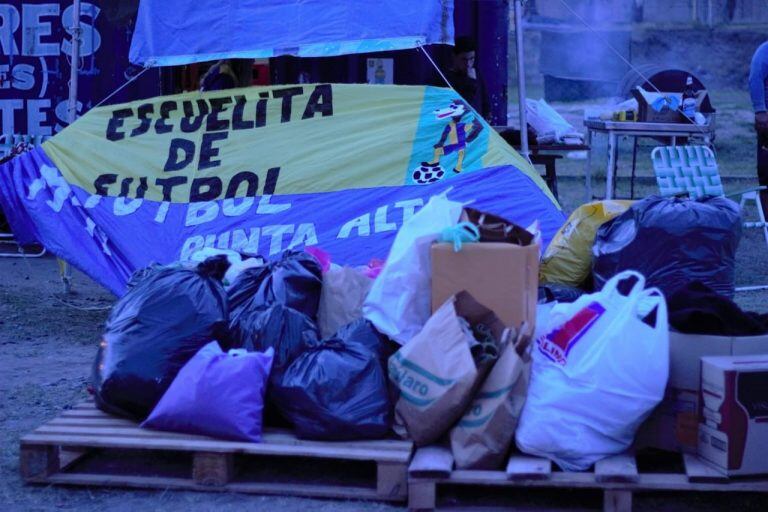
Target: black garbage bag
(362,331)
(286,330)
(153,330)
(142,274)
(294,280)
(551,292)
(337,389)
(672,241)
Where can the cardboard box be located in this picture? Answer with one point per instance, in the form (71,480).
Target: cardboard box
(733,432)
(674,424)
(647,114)
(501,276)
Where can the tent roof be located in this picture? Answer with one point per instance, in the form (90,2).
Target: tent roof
(176,32)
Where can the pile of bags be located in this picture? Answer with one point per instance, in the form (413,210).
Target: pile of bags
(672,241)
(185,354)
(429,345)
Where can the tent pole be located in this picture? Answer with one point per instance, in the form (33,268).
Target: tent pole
(521,79)
(75,64)
(66,269)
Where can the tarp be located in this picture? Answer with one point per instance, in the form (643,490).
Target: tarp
(176,32)
(260,170)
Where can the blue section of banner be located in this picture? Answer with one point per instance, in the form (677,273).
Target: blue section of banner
(174,32)
(108,238)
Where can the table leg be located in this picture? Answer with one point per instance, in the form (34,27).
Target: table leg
(634,167)
(588,167)
(611,165)
(551,174)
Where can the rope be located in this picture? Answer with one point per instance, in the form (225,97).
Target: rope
(437,68)
(144,70)
(80,308)
(25,258)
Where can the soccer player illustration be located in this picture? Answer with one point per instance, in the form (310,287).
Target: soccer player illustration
(457,134)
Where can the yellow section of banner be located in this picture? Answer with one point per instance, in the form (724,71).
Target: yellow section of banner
(275,140)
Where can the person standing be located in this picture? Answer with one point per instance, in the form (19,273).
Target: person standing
(463,76)
(758,90)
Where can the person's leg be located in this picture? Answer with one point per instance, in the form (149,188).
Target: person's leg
(762,168)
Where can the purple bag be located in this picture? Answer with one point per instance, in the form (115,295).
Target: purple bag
(216,394)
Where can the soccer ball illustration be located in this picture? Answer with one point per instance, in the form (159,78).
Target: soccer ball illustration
(428,173)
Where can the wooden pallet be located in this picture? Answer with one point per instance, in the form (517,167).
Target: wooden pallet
(617,477)
(84,446)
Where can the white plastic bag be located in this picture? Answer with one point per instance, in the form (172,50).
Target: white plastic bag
(236,262)
(547,123)
(598,372)
(399,301)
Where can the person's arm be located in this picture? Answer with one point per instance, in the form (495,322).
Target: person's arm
(758,72)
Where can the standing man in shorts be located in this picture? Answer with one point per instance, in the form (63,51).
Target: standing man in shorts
(758,90)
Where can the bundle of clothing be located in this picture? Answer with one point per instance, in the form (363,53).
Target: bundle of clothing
(698,309)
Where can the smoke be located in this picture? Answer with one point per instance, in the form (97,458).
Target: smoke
(584,46)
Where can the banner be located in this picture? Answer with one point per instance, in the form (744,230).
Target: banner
(175,32)
(261,170)
(35,47)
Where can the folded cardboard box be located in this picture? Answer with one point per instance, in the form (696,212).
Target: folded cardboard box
(674,424)
(501,276)
(648,114)
(733,431)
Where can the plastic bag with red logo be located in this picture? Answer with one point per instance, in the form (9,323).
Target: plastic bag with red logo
(599,369)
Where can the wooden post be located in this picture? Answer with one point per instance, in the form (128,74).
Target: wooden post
(617,501)
(38,462)
(392,480)
(422,496)
(432,461)
(212,469)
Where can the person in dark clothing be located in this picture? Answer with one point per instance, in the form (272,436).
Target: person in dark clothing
(463,76)
(758,91)
(228,74)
